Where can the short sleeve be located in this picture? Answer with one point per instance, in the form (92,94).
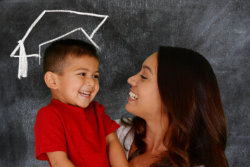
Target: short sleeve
(109,125)
(126,139)
(49,133)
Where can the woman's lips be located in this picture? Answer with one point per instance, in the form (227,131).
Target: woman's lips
(133,96)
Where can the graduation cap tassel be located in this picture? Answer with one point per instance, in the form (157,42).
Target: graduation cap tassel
(23,62)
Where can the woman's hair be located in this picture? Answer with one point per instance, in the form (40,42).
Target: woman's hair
(197,127)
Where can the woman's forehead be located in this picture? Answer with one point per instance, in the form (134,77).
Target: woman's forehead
(151,62)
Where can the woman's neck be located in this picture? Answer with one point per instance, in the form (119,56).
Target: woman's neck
(156,134)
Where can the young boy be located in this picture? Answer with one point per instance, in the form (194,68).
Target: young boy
(73,131)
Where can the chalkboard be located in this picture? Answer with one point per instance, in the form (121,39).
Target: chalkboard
(129,31)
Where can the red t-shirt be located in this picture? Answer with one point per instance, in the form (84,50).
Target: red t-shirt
(81,133)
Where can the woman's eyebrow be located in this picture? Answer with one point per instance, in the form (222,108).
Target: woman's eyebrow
(148,68)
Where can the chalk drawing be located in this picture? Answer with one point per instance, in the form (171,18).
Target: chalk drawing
(23,62)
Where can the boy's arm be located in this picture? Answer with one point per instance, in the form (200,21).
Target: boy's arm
(116,154)
(59,159)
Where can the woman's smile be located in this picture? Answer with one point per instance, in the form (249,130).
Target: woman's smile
(133,96)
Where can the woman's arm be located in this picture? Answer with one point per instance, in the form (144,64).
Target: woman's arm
(59,159)
(116,154)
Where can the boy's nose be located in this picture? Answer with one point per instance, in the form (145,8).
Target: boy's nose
(90,81)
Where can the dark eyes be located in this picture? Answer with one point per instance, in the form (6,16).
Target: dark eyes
(96,76)
(84,74)
(143,77)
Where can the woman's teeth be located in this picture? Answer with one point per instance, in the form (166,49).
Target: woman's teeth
(133,96)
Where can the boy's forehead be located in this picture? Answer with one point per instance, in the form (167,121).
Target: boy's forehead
(81,60)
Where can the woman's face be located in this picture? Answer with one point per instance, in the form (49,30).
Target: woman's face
(144,100)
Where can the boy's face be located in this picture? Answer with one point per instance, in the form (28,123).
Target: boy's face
(78,84)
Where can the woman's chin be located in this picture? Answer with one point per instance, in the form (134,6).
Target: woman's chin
(129,108)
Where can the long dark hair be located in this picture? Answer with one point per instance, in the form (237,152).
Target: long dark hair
(197,127)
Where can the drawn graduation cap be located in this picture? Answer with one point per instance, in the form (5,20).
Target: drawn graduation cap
(23,62)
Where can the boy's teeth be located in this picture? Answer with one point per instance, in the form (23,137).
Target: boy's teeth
(86,92)
(133,96)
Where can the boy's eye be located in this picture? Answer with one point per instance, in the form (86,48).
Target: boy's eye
(143,77)
(82,74)
(96,76)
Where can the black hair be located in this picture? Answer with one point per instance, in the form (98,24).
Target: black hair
(56,54)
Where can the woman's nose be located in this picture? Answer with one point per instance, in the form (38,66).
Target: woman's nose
(132,80)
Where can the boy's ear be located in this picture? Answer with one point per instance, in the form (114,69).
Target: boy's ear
(50,79)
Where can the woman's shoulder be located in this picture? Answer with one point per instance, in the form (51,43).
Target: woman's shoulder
(124,134)
(123,130)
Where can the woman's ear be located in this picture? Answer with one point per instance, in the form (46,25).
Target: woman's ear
(50,79)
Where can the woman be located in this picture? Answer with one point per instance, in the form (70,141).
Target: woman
(179,116)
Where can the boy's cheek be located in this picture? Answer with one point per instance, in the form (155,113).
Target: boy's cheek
(94,93)
(97,87)
(97,90)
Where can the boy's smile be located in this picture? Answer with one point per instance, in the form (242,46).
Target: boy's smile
(78,84)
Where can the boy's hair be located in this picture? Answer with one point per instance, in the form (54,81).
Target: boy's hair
(57,53)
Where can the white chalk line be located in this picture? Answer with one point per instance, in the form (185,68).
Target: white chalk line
(62,36)
(23,63)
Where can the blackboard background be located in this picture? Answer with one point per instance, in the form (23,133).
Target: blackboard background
(218,29)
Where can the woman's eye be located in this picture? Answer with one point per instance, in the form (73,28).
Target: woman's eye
(143,77)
